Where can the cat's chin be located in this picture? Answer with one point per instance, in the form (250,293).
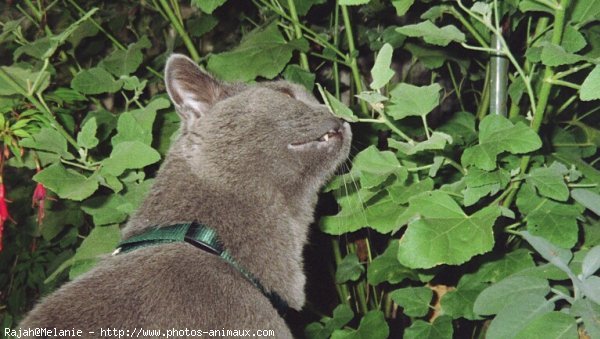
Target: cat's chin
(332,140)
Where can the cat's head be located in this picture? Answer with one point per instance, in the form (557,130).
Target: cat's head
(275,133)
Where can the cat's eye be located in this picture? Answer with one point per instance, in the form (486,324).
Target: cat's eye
(287,92)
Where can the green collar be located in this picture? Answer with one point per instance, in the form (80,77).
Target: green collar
(204,238)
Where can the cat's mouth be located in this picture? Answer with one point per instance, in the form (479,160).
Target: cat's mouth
(331,136)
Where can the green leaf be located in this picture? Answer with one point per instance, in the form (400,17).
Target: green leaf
(557,256)
(481,183)
(414,300)
(106,209)
(24,78)
(376,166)
(129,155)
(534,6)
(573,41)
(590,88)
(553,220)
(407,100)
(516,316)
(349,269)
(336,107)
(386,267)
(381,72)
(48,139)
(585,11)
(402,6)
(441,233)
(589,312)
(591,262)
(126,62)
(553,55)
(208,6)
(299,75)
(461,127)
(262,52)
(95,81)
(101,240)
(372,326)
(433,34)
(459,302)
(342,314)
(509,291)
(437,141)
(87,136)
(137,125)
(440,329)
(494,271)
(496,135)
(67,183)
(550,181)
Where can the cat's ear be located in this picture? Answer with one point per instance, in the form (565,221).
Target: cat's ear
(192,90)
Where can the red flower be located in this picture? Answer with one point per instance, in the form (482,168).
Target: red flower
(39,199)
(3,212)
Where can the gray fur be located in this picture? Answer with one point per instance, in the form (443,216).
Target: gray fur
(235,169)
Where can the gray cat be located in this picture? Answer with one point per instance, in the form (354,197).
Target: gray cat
(249,164)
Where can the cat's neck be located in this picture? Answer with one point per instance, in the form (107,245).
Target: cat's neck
(263,228)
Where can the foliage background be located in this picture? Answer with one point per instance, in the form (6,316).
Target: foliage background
(451,220)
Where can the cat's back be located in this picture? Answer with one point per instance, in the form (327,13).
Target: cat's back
(149,289)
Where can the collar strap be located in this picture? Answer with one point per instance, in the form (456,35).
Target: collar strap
(202,237)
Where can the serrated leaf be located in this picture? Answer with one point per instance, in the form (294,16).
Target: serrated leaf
(482,183)
(414,300)
(95,81)
(125,62)
(386,267)
(86,138)
(106,210)
(408,100)
(262,52)
(553,55)
(549,181)
(509,291)
(376,166)
(299,75)
(349,269)
(342,314)
(516,316)
(433,34)
(437,141)
(67,183)
(459,302)
(381,72)
(137,125)
(553,220)
(461,127)
(590,88)
(496,135)
(372,326)
(24,78)
(336,107)
(48,139)
(441,233)
(129,155)
(440,329)
(101,240)
(573,41)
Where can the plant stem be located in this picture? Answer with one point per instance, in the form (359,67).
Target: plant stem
(180,30)
(468,26)
(343,291)
(42,108)
(298,31)
(352,57)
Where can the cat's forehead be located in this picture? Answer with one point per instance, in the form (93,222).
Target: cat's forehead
(293,90)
